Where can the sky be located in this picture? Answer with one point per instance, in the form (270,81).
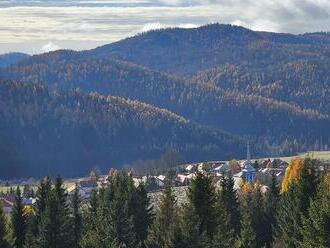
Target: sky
(36,26)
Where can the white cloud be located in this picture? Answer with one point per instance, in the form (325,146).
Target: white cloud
(79,24)
(158,25)
(50,46)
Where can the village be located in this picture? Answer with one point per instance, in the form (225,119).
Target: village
(248,170)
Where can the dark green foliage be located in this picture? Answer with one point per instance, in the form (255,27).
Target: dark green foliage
(316,226)
(122,215)
(198,223)
(19,221)
(55,229)
(289,216)
(228,198)
(224,236)
(270,209)
(77,218)
(190,233)
(258,219)
(247,238)
(294,205)
(161,233)
(3,229)
(202,200)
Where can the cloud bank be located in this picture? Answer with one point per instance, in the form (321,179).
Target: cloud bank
(35,26)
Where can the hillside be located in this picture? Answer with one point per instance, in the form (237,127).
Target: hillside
(268,120)
(186,51)
(44,132)
(303,82)
(11,58)
(270,88)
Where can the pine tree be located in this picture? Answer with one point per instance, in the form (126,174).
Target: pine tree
(270,209)
(247,238)
(77,218)
(294,204)
(258,215)
(19,221)
(161,233)
(228,198)
(3,229)
(224,236)
(113,223)
(202,198)
(140,210)
(316,227)
(34,221)
(54,228)
(190,230)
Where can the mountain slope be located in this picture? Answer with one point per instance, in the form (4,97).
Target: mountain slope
(272,88)
(301,82)
(11,58)
(234,112)
(186,51)
(44,132)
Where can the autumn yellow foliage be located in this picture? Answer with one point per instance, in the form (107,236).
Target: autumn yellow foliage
(326,181)
(246,187)
(292,173)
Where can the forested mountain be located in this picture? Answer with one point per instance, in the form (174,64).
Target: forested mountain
(45,132)
(11,58)
(186,51)
(270,121)
(302,82)
(270,88)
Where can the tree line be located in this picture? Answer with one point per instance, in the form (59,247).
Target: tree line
(120,215)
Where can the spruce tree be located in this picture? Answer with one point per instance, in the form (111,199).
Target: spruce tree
(190,230)
(202,198)
(34,221)
(161,233)
(316,227)
(76,218)
(224,236)
(228,198)
(140,210)
(294,204)
(258,215)
(19,221)
(247,238)
(3,229)
(54,228)
(270,209)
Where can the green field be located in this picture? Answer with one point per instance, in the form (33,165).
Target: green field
(322,155)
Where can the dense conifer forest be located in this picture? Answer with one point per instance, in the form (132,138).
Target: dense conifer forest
(293,214)
(69,132)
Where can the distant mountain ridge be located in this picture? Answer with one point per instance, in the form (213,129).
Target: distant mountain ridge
(11,58)
(266,87)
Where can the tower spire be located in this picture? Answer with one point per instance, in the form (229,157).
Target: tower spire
(248,155)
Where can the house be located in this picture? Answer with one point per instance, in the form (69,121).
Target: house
(221,169)
(154,182)
(190,168)
(184,179)
(7,203)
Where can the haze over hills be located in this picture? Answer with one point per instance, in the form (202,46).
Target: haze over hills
(270,88)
